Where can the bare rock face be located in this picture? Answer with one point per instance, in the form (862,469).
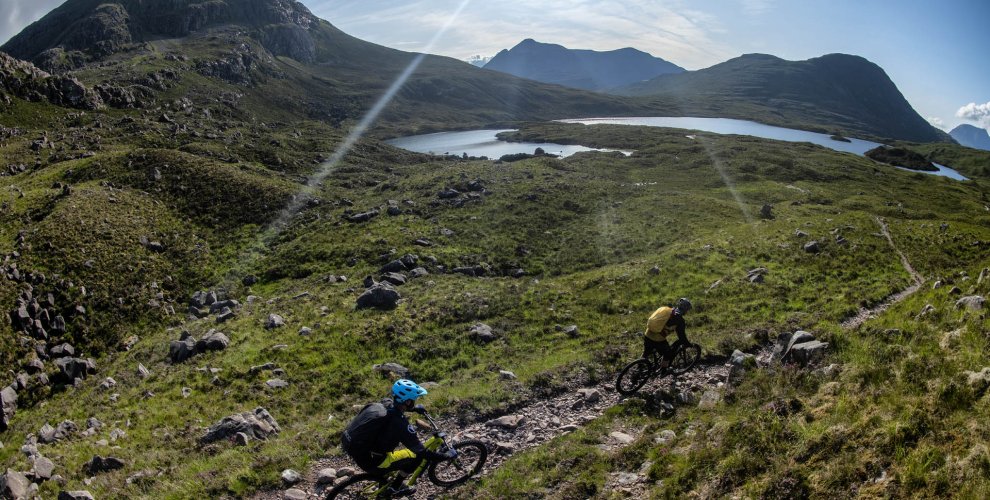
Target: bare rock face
(26,81)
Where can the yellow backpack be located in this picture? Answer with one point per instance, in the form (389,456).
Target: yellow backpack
(656,326)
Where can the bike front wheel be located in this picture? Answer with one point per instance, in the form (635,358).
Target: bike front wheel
(685,359)
(365,486)
(471,457)
(633,376)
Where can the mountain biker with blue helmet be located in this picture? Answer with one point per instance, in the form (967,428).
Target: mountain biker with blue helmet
(372,436)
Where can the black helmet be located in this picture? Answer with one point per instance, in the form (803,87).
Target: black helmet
(684,305)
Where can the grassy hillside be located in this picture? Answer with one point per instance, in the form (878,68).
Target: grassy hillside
(586,230)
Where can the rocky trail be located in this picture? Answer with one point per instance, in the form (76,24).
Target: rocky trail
(534,424)
(916,278)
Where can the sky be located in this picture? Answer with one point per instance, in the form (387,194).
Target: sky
(935,51)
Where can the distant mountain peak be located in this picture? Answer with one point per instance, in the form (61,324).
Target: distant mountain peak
(578,68)
(971,136)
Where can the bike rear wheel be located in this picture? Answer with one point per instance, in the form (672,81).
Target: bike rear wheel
(471,456)
(633,376)
(357,486)
(685,359)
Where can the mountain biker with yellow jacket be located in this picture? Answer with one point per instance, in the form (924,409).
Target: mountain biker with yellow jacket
(659,326)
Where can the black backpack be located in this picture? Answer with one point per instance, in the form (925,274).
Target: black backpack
(369,423)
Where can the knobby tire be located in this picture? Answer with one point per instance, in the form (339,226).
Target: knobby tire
(685,359)
(356,486)
(471,456)
(633,376)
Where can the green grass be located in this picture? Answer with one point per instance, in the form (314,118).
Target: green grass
(600,223)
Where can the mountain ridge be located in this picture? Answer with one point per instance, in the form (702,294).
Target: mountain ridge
(579,68)
(848,91)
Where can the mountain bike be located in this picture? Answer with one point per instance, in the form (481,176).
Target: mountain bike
(471,456)
(641,371)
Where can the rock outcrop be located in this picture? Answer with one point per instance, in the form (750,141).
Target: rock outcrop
(257,424)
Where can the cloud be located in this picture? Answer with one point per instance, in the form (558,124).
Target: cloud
(676,30)
(936,122)
(20,13)
(976,112)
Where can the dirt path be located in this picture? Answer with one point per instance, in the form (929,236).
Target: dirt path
(917,280)
(542,420)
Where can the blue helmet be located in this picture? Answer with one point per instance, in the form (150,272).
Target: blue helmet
(406,390)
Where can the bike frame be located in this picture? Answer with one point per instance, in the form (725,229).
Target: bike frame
(438,439)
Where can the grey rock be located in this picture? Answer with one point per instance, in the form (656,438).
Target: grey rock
(482,333)
(226,314)
(46,434)
(808,352)
(258,424)
(571,330)
(394,266)
(14,485)
(800,234)
(394,369)
(665,436)
(249,280)
(326,476)
(507,375)
(590,395)
(295,494)
(62,350)
(397,279)
(379,296)
(799,337)
(622,437)
(142,371)
(418,272)
(277,383)
(972,302)
(99,465)
(108,383)
(290,476)
(740,358)
(274,321)
(212,341)
(510,422)
(812,247)
(186,392)
(305,331)
(260,368)
(43,468)
(181,350)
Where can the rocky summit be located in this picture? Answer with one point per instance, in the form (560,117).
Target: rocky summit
(212,258)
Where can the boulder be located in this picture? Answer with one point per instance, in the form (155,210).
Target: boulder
(212,341)
(326,476)
(181,350)
(665,436)
(507,375)
(379,296)
(142,371)
(590,394)
(812,247)
(510,422)
(800,234)
(43,468)
(62,350)
(274,321)
(622,437)
(808,352)
(766,212)
(394,266)
(276,383)
(225,315)
(394,369)
(46,434)
(257,424)
(14,485)
(799,337)
(71,368)
(482,333)
(290,476)
(305,331)
(741,359)
(972,302)
(98,465)
(295,494)
(397,279)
